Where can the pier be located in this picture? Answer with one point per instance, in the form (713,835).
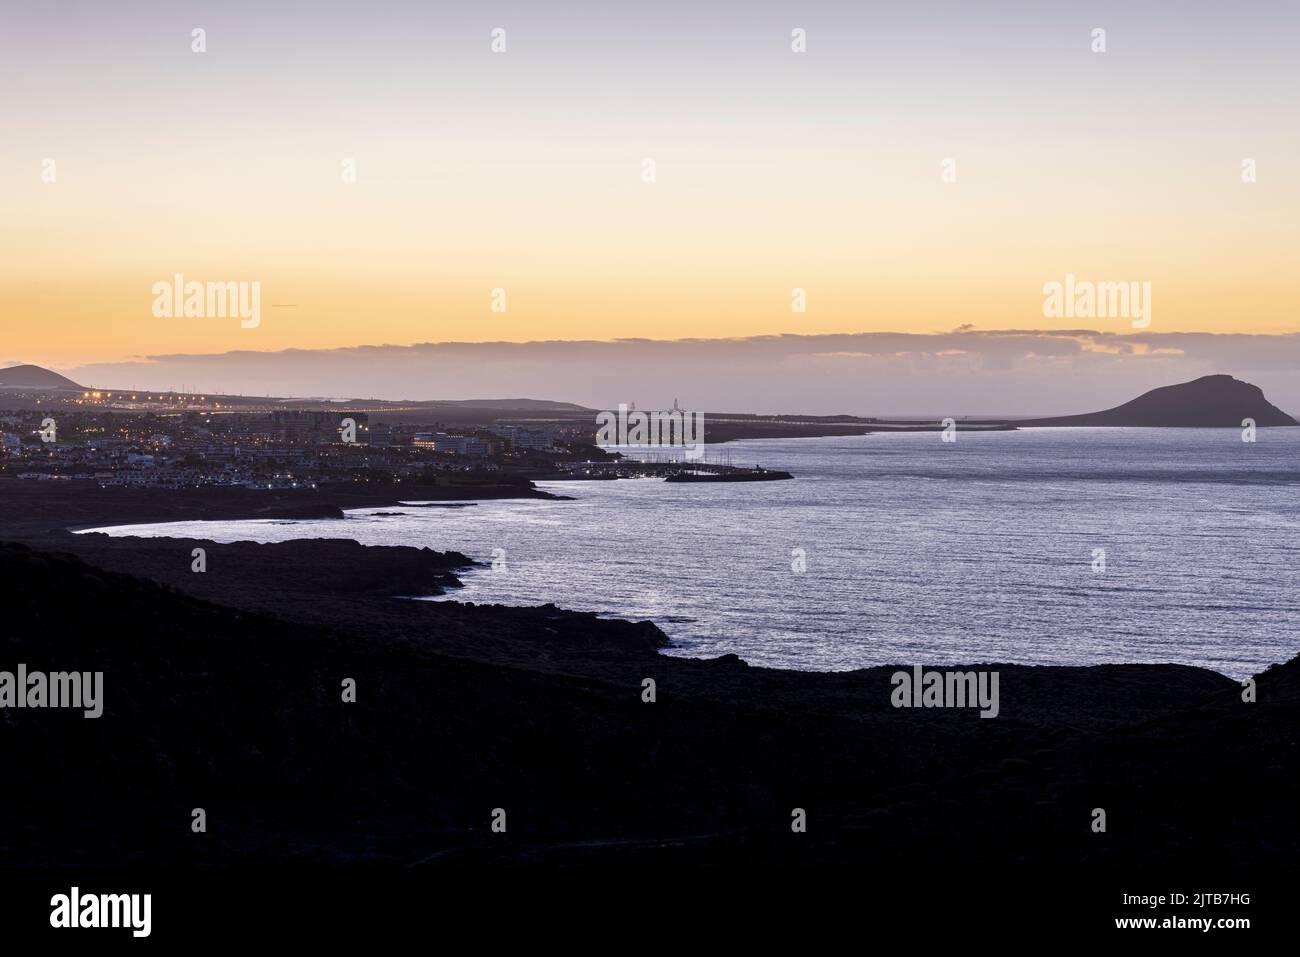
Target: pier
(671,467)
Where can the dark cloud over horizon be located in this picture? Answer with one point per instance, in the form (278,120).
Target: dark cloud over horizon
(960,372)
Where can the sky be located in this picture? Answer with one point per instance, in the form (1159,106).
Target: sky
(128,158)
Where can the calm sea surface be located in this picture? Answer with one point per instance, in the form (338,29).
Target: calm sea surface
(914,551)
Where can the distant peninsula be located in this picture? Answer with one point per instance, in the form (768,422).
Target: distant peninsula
(1212,401)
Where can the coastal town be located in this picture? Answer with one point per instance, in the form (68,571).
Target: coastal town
(271,449)
(53,430)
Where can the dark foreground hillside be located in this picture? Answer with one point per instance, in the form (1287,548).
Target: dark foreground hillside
(231,702)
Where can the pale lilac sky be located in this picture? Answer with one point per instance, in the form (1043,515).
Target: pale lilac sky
(777,170)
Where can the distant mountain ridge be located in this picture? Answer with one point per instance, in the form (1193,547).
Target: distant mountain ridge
(34,377)
(1212,401)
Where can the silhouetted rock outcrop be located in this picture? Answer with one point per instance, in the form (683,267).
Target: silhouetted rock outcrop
(1211,401)
(223,690)
(34,377)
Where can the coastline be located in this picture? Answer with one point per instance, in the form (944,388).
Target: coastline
(501,698)
(30,507)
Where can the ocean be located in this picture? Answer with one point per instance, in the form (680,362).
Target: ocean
(1039,547)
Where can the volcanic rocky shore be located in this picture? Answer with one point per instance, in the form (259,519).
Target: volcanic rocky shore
(222,691)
